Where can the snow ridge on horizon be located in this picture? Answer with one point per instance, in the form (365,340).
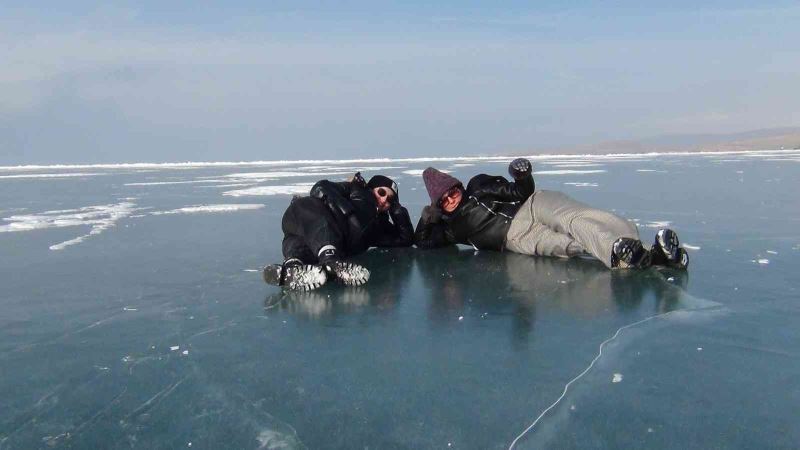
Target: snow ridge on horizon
(211,164)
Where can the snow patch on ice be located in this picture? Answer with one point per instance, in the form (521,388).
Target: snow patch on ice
(577,184)
(567,172)
(772,252)
(51,175)
(569,165)
(211,209)
(691,247)
(281,174)
(418,172)
(651,170)
(100,218)
(658,224)
(274,440)
(462,165)
(165,183)
(300,188)
(568,161)
(762,261)
(220,186)
(616,378)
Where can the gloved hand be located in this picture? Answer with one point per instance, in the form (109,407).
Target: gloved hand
(520,168)
(395,208)
(359,180)
(431,214)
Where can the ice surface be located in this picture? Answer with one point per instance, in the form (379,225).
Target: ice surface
(441,347)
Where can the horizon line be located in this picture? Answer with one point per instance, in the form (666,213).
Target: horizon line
(202,164)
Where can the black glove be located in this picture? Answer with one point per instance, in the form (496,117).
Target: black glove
(431,214)
(359,180)
(395,208)
(520,168)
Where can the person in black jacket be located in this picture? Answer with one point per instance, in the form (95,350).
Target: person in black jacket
(495,214)
(336,220)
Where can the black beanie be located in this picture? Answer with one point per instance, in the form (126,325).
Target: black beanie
(383,181)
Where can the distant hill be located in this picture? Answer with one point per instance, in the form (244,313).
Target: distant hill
(770,139)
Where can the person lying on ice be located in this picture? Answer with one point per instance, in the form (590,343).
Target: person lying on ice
(338,219)
(495,214)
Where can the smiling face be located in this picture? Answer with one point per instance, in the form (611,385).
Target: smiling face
(450,200)
(383,198)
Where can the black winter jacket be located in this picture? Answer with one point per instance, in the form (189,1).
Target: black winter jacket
(354,208)
(483,217)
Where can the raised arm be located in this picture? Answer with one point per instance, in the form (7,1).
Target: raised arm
(518,190)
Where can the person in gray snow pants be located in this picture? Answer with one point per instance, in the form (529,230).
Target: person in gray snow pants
(495,214)
(551,223)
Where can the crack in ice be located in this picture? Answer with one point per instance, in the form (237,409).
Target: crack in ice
(580,375)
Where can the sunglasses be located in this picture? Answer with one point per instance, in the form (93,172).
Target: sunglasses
(450,193)
(384,192)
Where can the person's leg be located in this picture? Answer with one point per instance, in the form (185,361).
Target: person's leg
(296,250)
(312,223)
(596,230)
(311,220)
(529,237)
(297,270)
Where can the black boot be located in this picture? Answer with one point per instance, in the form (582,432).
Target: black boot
(628,253)
(347,273)
(293,274)
(668,252)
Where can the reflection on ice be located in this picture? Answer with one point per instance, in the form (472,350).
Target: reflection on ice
(455,283)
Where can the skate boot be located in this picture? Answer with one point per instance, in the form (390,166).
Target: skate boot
(628,253)
(668,252)
(293,274)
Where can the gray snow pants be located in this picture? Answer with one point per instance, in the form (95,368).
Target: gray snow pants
(551,223)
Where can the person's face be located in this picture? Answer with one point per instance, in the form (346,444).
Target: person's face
(450,200)
(383,197)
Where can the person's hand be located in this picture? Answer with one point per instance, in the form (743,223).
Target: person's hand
(520,168)
(431,214)
(359,180)
(395,207)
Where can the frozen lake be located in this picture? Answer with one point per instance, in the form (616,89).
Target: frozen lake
(133,315)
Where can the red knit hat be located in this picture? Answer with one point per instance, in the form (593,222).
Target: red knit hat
(437,183)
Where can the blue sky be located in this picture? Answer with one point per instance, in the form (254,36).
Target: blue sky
(176,81)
